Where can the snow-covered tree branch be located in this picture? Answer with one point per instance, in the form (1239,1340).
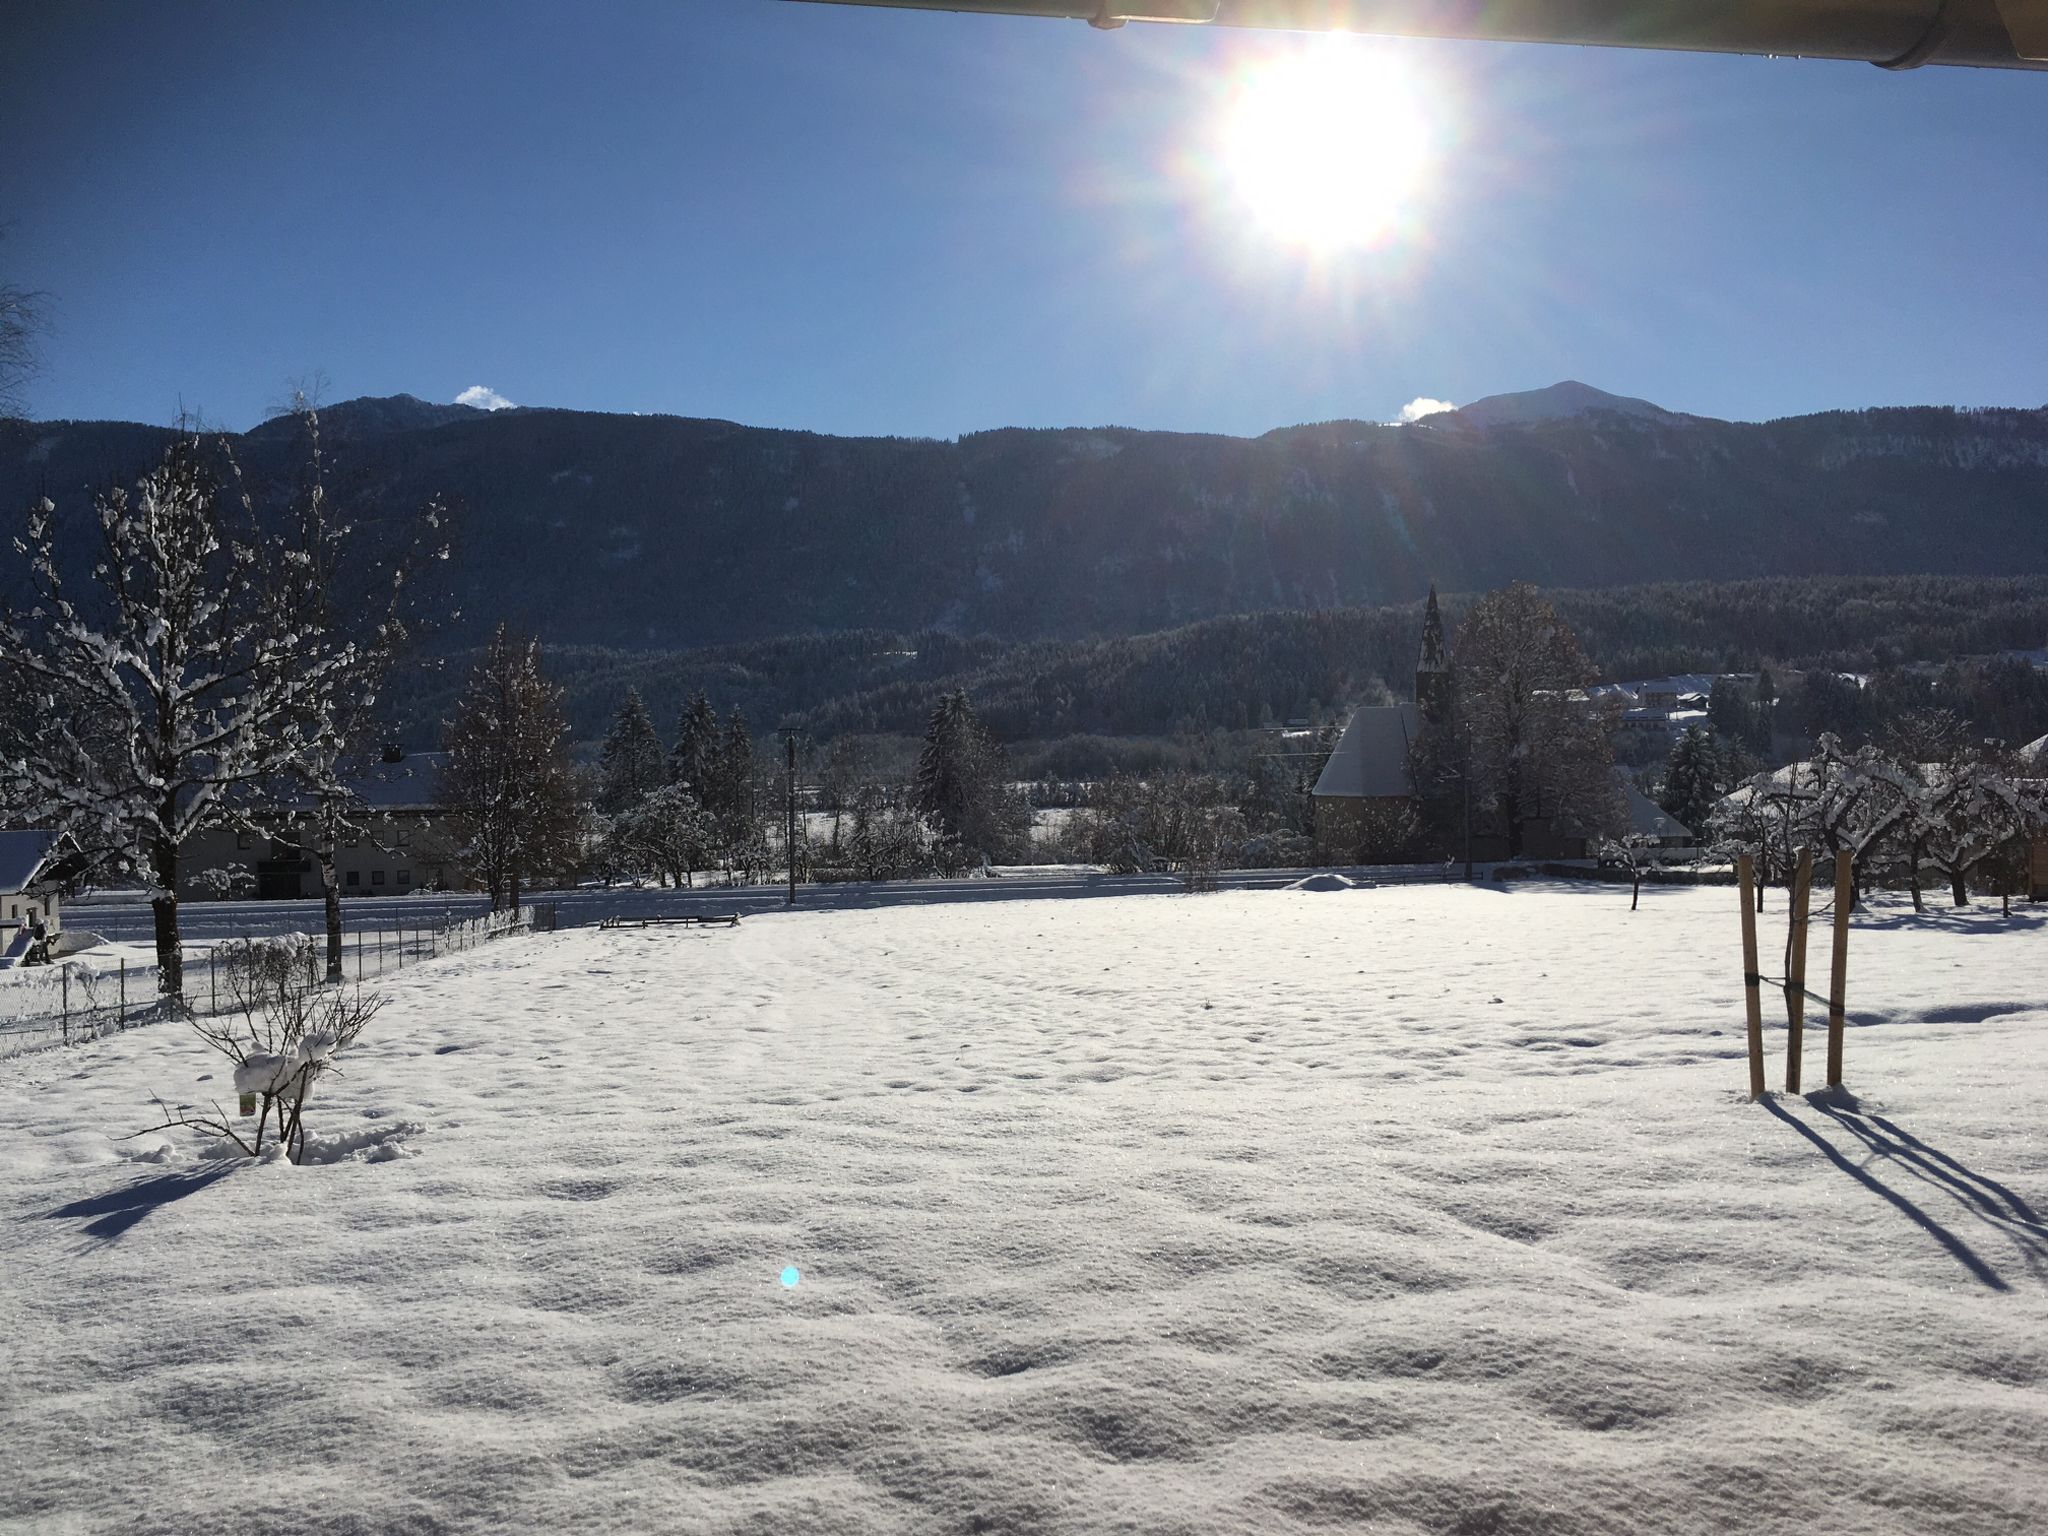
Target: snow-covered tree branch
(199,666)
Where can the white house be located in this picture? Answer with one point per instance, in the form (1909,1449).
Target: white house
(33,864)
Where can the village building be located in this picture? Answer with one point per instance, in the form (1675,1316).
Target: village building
(34,867)
(1649,823)
(400,840)
(1365,795)
(1366,806)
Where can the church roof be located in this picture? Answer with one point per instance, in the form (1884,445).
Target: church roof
(1646,818)
(1371,759)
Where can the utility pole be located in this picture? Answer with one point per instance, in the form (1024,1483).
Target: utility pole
(789,827)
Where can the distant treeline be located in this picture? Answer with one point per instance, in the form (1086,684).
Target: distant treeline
(1248,670)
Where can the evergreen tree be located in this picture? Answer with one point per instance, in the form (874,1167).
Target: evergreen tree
(962,784)
(1695,779)
(691,762)
(735,775)
(728,794)
(1730,714)
(631,765)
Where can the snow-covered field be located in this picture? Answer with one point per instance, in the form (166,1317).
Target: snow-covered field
(1404,1210)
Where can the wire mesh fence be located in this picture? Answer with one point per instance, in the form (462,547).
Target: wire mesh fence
(75,1000)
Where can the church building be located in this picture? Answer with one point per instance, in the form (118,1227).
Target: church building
(1365,803)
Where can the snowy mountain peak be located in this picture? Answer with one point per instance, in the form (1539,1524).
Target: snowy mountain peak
(1568,398)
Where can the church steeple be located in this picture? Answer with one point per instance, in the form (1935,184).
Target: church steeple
(1433,668)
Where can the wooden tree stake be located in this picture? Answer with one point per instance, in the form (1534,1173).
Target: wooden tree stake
(1838,983)
(1751,983)
(1795,969)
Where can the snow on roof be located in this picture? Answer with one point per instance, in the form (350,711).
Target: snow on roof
(23,855)
(1648,819)
(1371,759)
(1701,683)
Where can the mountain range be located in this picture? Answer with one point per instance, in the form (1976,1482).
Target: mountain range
(658,532)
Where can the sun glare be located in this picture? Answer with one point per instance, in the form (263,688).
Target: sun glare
(1327,147)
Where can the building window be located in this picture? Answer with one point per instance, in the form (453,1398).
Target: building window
(353,840)
(355,877)
(244,840)
(376,877)
(405,877)
(405,837)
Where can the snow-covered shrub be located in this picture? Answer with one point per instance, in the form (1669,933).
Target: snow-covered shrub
(476,930)
(281,1044)
(253,971)
(230,882)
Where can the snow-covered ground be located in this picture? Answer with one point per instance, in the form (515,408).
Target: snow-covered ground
(1403,1210)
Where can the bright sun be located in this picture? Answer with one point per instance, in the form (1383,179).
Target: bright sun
(1326,147)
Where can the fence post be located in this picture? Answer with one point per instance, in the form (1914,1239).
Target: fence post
(1838,981)
(65,976)
(212,983)
(124,991)
(1795,969)
(1745,874)
(380,951)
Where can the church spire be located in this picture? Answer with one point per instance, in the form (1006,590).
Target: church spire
(1433,668)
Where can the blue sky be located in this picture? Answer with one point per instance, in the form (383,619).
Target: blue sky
(881,222)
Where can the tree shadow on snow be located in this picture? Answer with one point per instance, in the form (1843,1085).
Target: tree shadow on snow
(116,1211)
(1885,1144)
(1982,917)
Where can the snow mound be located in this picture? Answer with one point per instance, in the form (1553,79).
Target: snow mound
(1324,882)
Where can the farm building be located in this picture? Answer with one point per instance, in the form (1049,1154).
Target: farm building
(400,841)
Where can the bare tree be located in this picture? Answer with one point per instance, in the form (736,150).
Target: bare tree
(670,829)
(23,317)
(1538,748)
(366,596)
(1635,852)
(199,670)
(508,776)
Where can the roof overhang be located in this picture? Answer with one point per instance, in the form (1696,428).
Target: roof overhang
(1894,34)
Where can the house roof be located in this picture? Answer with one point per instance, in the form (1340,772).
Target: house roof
(1371,759)
(24,856)
(411,783)
(1647,818)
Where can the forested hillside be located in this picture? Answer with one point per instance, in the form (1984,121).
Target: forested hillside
(665,533)
(1247,669)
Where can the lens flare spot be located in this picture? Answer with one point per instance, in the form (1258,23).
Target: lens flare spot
(790,1276)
